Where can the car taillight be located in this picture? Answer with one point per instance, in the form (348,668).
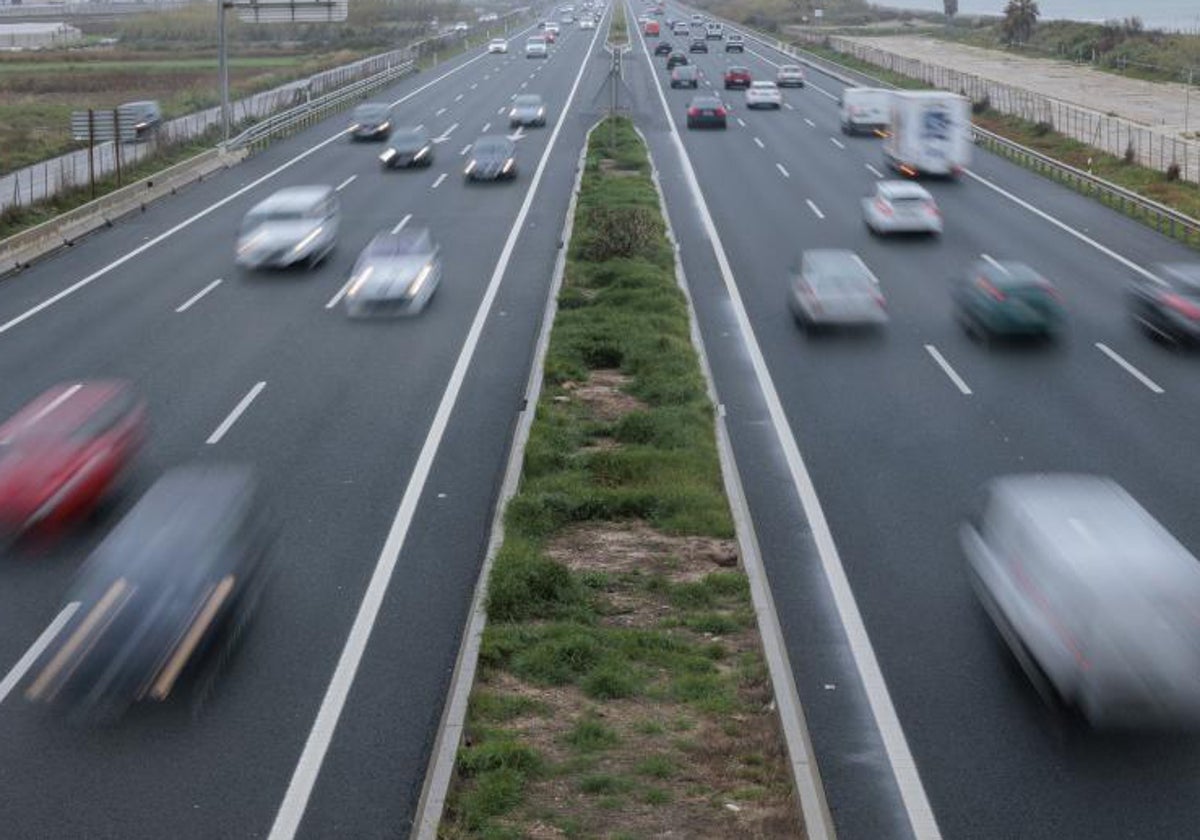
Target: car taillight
(720,112)
(1049,289)
(693,112)
(880,300)
(989,289)
(932,208)
(883,207)
(1182,305)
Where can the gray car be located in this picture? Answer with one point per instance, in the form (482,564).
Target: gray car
(396,274)
(296,225)
(527,109)
(493,157)
(833,287)
(409,147)
(371,121)
(1097,601)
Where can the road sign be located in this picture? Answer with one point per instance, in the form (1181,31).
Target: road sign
(104,124)
(290,11)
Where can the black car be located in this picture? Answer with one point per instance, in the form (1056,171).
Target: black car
(706,112)
(676,59)
(181,572)
(698,45)
(1168,310)
(663,48)
(371,121)
(492,157)
(685,76)
(409,147)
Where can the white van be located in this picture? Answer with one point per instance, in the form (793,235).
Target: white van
(866,110)
(714,31)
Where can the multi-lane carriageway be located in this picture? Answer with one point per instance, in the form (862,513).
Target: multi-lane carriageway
(381,447)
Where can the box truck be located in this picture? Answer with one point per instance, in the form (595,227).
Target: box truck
(930,133)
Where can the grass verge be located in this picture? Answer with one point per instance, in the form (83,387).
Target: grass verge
(1183,196)
(621,688)
(618,33)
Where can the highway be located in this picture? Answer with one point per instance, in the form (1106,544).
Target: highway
(897,434)
(380,446)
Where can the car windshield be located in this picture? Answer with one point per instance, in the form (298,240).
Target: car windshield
(685,71)
(527,101)
(406,243)
(408,138)
(276,214)
(763,86)
(1185,277)
(492,147)
(370,113)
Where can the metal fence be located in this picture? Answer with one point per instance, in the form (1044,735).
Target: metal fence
(42,181)
(1114,135)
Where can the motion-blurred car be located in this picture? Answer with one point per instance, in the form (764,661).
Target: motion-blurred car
(497,46)
(294,225)
(371,121)
(735,43)
(1007,299)
(183,568)
(396,274)
(651,29)
(409,147)
(681,30)
(685,76)
(587,23)
(763,95)
(536,47)
(1169,309)
(1094,597)
(706,112)
(493,157)
(698,45)
(676,59)
(901,207)
(663,48)
(833,287)
(551,26)
(62,454)
(527,109)
(790,75)
(737,77)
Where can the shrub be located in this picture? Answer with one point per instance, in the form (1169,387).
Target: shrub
(620,232)
(1130,155)
(1173,172)
(526,585)
(1042,128)
(981,105)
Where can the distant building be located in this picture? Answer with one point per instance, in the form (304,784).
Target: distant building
(36,36)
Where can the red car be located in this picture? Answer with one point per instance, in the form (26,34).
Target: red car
(550,35)
(737,77)
(64,451)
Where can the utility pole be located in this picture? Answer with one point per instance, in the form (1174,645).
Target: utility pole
(223,69)
(1187,101)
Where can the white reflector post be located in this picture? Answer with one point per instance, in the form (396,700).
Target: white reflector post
(290,11)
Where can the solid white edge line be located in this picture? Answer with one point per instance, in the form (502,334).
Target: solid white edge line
(950,372)
(1063,226)
(908,778)
(13,678)
(145,246)
(1128,367)
(812,205)
(782,170)
(237,412)
(187,304)
(818,823)
(400,224)
(308,767)
(445,752)
(345,183)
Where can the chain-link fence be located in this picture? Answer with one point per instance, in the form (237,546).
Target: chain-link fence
(49,178)
(1111,134)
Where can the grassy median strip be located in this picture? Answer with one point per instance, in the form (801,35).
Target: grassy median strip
(621,689)
(618,35)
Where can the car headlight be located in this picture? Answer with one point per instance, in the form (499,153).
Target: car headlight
(387,155)
(508,164)
(541,112)
(421,153)
(470,168)
(250,244)
(357,280)
(512,113)
(384,126)
(419,281)
(355,127)
(303,244)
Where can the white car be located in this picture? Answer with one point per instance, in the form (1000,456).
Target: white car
(497,45)
(587,23)
(763,95)
(901,207)
(536,48)
(790,75)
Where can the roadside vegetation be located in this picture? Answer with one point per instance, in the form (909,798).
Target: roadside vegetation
(170,55)
(621,689)
(618,34)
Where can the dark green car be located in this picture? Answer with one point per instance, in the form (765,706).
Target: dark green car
(1008,299)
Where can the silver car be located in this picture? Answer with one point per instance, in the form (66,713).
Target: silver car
(832,287)
(294,225)
(527,109)
(901,207)
(396,274)
(1096,599)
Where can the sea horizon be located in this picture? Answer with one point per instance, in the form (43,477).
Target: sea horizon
(1171,15)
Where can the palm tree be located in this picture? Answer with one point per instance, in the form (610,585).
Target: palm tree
(1020,18)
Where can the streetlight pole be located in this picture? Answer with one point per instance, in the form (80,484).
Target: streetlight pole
(223,69)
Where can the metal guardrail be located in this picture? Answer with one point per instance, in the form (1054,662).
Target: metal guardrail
(285,122)
(1162,218)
